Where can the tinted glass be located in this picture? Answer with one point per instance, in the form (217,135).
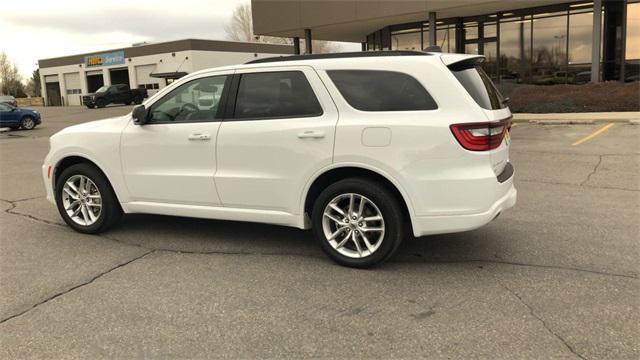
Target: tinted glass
(282,94)
(368,90)
(406,41)
(478,85)
(196,100)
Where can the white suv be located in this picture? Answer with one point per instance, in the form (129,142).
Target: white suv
(361,147)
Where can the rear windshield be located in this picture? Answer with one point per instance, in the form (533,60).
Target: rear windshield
(478,84)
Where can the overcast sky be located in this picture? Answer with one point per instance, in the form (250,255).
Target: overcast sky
(40,29)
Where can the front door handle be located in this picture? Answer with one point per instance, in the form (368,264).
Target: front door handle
(311,134)
(199,136)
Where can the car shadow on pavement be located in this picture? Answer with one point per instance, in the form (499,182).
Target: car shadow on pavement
(190,235)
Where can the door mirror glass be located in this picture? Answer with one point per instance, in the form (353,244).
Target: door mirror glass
(139,115)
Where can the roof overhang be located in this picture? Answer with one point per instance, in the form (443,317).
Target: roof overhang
(353,20)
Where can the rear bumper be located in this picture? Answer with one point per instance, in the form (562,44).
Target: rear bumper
(506,194)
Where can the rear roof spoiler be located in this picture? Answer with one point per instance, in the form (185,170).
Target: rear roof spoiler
(450,59)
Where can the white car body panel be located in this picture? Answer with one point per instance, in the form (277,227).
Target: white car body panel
(261,170)
(261,162)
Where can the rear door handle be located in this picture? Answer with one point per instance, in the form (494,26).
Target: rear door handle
(201,137)
(311,134)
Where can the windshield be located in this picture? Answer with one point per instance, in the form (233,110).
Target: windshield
(103,89)
(478,84)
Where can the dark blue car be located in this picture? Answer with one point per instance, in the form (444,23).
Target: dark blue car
(15,117)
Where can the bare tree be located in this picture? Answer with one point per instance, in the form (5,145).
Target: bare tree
(33,85)
(240,28)
(10,80)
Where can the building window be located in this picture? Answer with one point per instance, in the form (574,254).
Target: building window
(632,54)
(153,86)
(515,49)
(580,45)
(446,37)
(73,91)
(549,63)
(406,40)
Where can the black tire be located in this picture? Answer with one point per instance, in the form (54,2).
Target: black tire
(28,123)
(100,103)
(111,211)
(90,106)
(128,103)
(137,99)
(390,209)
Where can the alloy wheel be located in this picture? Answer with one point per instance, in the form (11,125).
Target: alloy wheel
(81,200)
(353,225)
(28,123)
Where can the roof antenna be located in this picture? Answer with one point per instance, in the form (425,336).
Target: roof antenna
(433,48)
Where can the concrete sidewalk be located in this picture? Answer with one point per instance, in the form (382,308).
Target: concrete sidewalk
(579,118)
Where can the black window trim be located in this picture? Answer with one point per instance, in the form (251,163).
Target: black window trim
(230,106)
(221,105)
(382,111)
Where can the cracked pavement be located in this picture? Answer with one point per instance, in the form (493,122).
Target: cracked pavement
(555,277)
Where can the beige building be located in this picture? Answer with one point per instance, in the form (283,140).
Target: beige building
(534,41)
(152,66)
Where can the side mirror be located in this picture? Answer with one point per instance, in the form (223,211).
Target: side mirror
(139,115)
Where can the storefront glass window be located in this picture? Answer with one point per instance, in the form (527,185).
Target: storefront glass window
(632,54)
(406,41)
(446,37)
(471,30)
(549,49)
(580,45)
(515,50)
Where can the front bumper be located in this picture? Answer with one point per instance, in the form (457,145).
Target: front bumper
(444,224)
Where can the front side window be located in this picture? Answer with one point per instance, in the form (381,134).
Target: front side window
(376,90)
(269,95)
(197,100)
(4,107)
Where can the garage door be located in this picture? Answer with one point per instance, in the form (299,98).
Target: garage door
(51,78)
(72,84)
(144,79)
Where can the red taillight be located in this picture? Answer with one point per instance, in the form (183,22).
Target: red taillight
(480,136)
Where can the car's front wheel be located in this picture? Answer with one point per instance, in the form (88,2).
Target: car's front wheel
(100,103)
(358,222)
(28,123)
(86,200)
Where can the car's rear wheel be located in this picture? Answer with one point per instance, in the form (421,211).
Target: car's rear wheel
(28,123)
(137,100)
(90,106)
(86,200)
(101,103)
(358,222)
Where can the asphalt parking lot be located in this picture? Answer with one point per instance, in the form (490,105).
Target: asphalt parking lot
(555,277)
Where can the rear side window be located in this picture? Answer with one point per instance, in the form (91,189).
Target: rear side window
(269,95)
(478,84)
(372,90)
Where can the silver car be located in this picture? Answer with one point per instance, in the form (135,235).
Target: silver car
(8,99)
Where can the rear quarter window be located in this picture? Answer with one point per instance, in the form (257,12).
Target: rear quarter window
(374,90)
(478,84)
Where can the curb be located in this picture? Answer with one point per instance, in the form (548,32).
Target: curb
(577,122)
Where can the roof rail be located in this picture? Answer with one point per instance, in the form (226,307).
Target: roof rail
(355,54)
